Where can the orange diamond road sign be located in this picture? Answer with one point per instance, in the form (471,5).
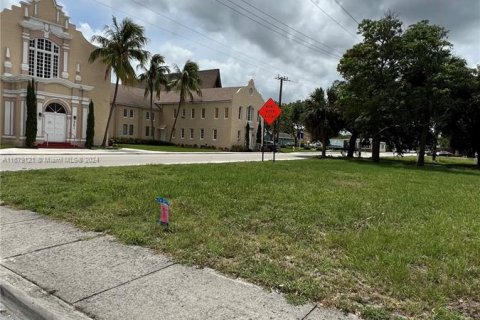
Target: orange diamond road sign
(270,111)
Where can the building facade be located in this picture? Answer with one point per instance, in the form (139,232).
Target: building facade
(39,42)
(218,118)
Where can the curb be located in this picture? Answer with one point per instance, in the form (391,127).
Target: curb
(28,301)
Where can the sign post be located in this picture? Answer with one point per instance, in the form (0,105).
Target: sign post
(270,112)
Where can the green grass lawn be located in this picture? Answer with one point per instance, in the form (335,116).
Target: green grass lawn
(165,148)
(352,234)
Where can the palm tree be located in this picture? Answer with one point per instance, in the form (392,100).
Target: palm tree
(155,76)
(121,44)
(188,80)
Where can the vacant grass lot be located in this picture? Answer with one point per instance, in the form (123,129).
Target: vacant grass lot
(374,238)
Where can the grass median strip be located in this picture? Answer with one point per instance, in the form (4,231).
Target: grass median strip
(346,233)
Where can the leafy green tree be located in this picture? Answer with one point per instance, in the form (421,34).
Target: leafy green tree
(31,124)
(121,45)
(462,118)
(90,126)
(425,53)
(154,77)
(292,118)
(371,74)
(259,132)
(187,81)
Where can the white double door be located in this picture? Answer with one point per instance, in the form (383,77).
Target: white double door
(56,126)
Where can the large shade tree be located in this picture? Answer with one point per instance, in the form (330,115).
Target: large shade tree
(426,51)
(120,45)
(371,71)
(155,77)
(186,82)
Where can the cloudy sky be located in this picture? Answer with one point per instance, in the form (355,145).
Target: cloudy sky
(260,39)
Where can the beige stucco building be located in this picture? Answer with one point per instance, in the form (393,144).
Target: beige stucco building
(217,119)
(37,40)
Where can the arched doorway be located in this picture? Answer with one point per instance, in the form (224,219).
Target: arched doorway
(56,122)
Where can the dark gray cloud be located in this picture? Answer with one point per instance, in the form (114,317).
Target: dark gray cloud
(248,49)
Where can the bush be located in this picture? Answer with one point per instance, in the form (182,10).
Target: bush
(149,142)
(239,148)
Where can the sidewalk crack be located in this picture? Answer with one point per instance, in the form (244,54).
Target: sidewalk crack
(306,316)
(124,283)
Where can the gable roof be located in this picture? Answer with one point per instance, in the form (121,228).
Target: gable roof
(135,97)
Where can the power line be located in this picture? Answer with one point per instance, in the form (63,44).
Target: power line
(291,28)
(200,33)
(346,11)
(184,37)
(301,42)
(333,19)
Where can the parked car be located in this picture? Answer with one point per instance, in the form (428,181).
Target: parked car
(444,154)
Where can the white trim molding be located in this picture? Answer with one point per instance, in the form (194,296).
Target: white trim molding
(65,82)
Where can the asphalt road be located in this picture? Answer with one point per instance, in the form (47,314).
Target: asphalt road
(28,159)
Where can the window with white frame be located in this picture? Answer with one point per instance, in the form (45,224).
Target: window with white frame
(192,134)
(43,57)
(147,115)
(202,134)
(203,113)
(182,133)
(250,113)
(240,113)
(226,113)
(239,134)
(125,129)
(215,134)
(184,113)
(130,130)
(147,131)
(131,113)
(125,113)
(192,114)
(216,113)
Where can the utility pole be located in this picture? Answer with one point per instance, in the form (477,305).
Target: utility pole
(276,126)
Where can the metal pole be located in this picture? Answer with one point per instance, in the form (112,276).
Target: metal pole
(262,123)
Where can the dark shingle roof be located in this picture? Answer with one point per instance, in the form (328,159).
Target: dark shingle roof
(134,97)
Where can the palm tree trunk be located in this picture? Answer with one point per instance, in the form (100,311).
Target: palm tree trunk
(152,133)
(175,121)
(104,142)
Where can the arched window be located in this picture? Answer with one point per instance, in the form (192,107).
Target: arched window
(250,113)
(55,108)
(43,58)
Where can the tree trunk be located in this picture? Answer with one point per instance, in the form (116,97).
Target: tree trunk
(478,158)
(104,141)
(423,142)
(351,145)
(175,121)
(152,133)
(324,145)
(376,149)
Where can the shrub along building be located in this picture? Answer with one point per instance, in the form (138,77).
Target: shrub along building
(39,41)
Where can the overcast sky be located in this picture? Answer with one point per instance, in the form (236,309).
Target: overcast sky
(300,39)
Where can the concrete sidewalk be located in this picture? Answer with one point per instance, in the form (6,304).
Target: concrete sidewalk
(51,270)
